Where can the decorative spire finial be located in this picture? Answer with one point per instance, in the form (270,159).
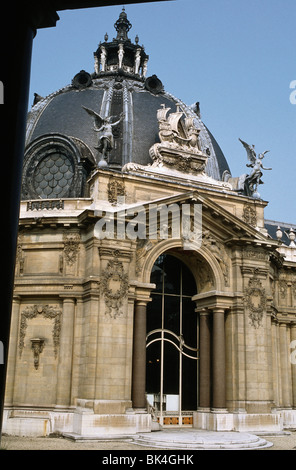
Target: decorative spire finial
(122,26)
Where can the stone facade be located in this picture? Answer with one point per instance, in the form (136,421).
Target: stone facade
(80,294)
(77,355)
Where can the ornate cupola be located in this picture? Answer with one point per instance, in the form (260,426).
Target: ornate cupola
(121,55)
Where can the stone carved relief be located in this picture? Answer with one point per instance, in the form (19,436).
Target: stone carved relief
(179,146)
(217,249)
(20,254)
(116,190)
(114,285)
(283,287)
(294,286)
(253,253)
(250,215)
(205,279)
(71,246)
(37,347)
(255,300)
(143,247)
(47,311)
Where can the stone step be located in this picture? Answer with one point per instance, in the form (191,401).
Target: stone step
(195,439)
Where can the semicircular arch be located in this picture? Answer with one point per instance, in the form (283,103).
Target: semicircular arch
(194,259)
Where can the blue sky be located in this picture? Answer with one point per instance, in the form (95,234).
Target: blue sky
(236,57)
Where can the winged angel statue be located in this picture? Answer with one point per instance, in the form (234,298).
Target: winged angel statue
(253,180)
(106,140)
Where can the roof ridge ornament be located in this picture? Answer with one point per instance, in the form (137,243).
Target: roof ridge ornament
(122,26)
(179,146)
(121,55)
(252,181)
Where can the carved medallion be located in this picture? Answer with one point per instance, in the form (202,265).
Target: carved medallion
(250,215)
(71,246)
(255,301)
(116,190)
(114,284)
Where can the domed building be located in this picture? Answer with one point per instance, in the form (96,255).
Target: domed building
(149,290)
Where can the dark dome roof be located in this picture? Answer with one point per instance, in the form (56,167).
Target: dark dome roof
(62,113)
(117,86)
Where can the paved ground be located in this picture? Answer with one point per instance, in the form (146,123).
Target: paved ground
(286,442)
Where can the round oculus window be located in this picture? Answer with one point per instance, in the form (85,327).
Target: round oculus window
(53,176)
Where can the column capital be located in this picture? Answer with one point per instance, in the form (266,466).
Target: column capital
(142,302)
(67,297)
(203,311)
(217,310)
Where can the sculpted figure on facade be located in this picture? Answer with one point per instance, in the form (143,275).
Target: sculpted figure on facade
(174,132)
(252,181)
(105,127)
(137,61)
(218,250)
(103,58)
(179,146)
(120,55)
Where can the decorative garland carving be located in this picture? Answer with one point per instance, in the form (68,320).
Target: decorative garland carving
(20,254)
(294,288)
(143,247)
(71,246)
(253,253)
(204,276)
(255,301)
(114,272)
(116,190)
(283,287)
(250,215)
(46,311)
(218,250)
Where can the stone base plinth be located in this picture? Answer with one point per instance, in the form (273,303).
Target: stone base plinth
(36,423)
(90,419)
(243,422)
(87,423)
(289,419)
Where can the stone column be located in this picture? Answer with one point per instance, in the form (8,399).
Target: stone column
(65,353)
(11,360)
(285,365)
(77,349)
(204,360)
(219,388)
(293,362)
(139,356)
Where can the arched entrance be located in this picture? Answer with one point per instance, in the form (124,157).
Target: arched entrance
(172,342)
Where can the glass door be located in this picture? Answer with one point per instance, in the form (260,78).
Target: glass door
(172,348)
